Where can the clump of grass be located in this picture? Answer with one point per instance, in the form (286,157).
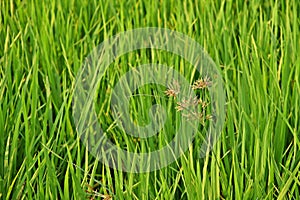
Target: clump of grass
(43,45)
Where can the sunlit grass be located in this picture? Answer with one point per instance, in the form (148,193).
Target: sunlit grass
(43,45)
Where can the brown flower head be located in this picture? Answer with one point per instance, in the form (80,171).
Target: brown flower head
(202,83)
(173,89)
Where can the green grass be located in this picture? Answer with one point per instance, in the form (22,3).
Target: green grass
(43,45)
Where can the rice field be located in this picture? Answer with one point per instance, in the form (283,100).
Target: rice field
(254,46)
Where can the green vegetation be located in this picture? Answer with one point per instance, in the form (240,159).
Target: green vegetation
(255,44)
